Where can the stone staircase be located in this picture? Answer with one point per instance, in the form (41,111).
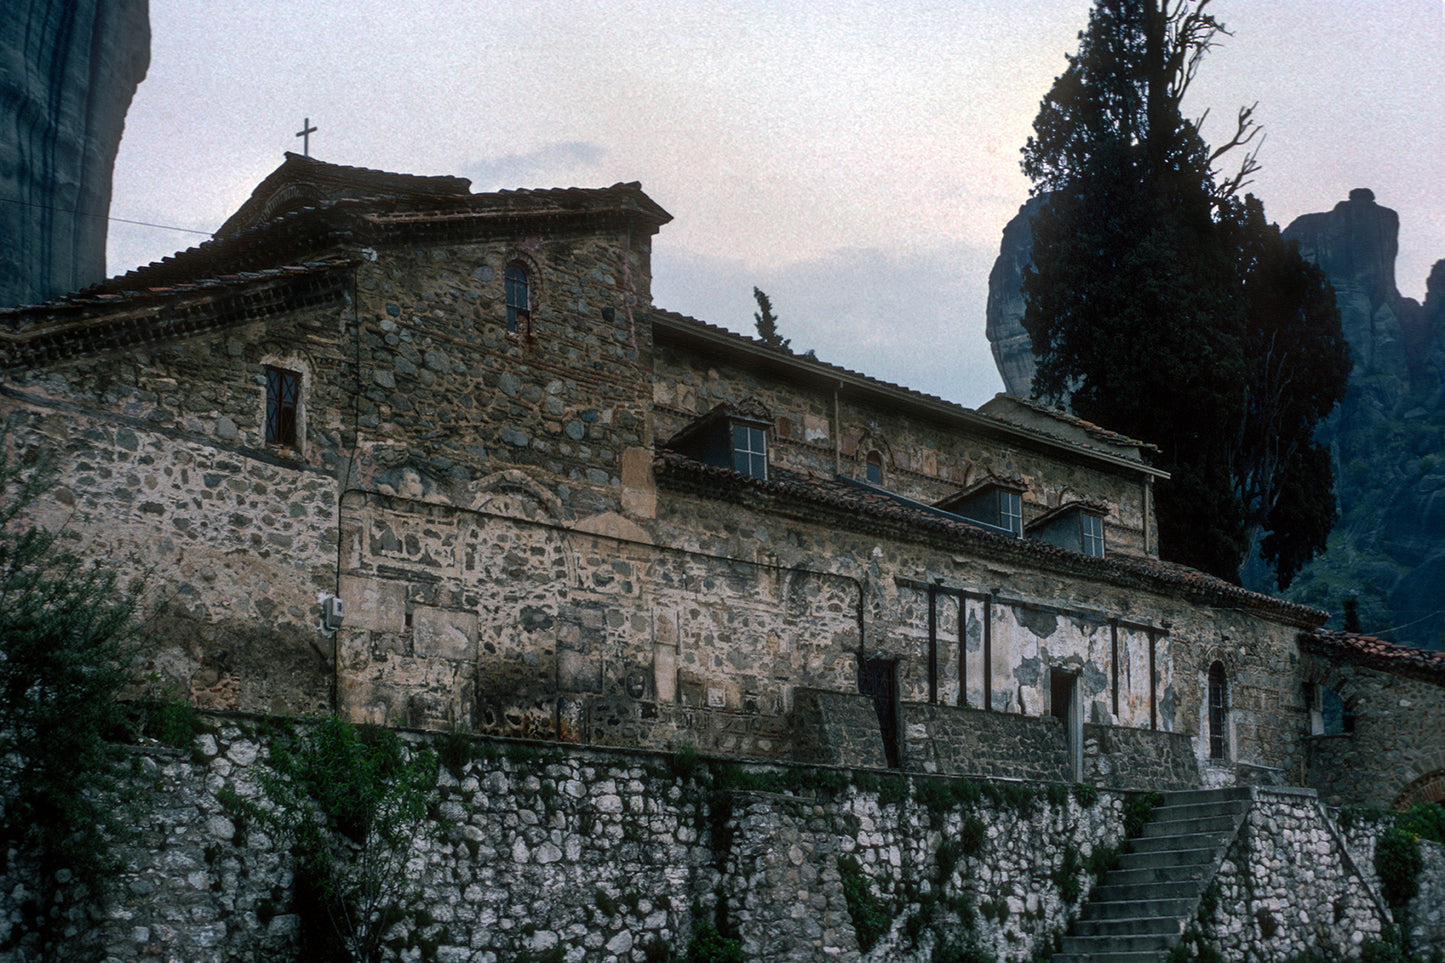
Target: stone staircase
(1138,912)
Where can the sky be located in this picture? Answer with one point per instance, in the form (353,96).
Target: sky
(857,160)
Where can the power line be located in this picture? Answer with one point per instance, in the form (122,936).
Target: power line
(121,220)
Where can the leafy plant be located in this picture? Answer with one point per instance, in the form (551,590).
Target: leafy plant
(709,946)
(1137,810)
(1398,861)
(351,801)
(972,836)
(1066,876)
(172,721)
(871,919)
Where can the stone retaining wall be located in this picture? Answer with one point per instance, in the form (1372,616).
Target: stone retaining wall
(1290,885)
(544,852)
(1423,921)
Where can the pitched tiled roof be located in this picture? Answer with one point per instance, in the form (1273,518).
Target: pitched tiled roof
(1368,651)
(845,503)
(99,320)
(669,325)
(1068,417)
(300,177)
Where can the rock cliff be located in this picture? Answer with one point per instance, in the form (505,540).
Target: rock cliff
(1012,352)
(68,72)
(1389,433)
(1387,438)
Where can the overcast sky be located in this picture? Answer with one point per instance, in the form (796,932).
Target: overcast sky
(856,160)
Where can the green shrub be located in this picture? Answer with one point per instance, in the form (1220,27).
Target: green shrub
(1066,876)
(351,801)
(871,919)
(172,721)
(973,836)
(684,761)
(1086,794)
(1397,860)
(709,946)
(892,790)
(1138,808)
(455,752)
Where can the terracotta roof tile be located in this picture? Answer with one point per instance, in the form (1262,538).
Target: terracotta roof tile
(1366,650)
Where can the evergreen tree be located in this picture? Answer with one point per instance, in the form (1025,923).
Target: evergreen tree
(65,646)
(767,322)
(1163,305)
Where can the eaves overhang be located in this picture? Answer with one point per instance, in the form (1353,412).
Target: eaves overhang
(838,504)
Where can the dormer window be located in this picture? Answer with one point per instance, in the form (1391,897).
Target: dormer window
(995,505)
(750,450)
(1078,527)
(730,436)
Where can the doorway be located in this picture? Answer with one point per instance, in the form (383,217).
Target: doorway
(879,678)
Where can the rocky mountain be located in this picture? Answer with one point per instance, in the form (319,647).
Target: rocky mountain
(68,72)
(1012,353)
(1387,438)
(1388,435)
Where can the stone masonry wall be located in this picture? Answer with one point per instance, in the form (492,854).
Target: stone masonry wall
(163,472)
(921,460)
(1290,885)
(1397,747)
(1040,622)
(1423,921)
(1137,758)
(448,395)
(567,853)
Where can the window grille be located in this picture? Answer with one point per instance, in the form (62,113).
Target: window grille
(283,406)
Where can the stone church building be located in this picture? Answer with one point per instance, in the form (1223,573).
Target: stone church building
(415,455)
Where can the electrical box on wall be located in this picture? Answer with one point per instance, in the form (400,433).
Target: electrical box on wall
(333,610)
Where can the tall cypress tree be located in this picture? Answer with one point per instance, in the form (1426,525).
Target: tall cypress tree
(1154,288)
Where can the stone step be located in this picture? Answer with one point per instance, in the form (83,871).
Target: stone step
(1153,876)
(1185,825)
(1137,925)
(1115,891)
(1184,841)
(1165,858)
(1143,956)
(1092,946)
(1177,907)
(1164,815)
(1140,909)
(1189,797)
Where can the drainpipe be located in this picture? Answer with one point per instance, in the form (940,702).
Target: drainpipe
(1148,513)
(837,432)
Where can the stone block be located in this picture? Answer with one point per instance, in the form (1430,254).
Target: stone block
(372,603)
(444,634)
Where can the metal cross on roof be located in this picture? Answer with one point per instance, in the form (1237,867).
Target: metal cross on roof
(305,134)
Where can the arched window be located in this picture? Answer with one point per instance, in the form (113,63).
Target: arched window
(283,407)
(1217,712)
(873,468)
(519,298)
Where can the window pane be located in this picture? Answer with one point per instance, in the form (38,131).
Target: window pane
(750,451)
(1010,512)
(283,402)
(519,303)
(1093,528)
